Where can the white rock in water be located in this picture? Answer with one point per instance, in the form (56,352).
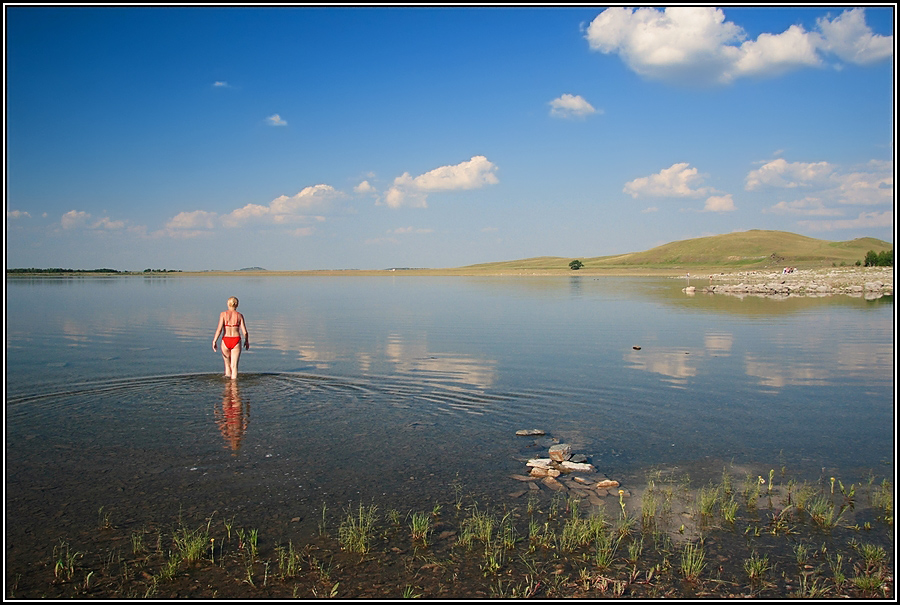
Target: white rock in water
(540,462)
(560,452)
(530,432)
(572,467)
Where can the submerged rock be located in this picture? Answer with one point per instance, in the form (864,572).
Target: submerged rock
(554,484)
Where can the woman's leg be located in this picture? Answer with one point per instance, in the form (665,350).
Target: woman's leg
(235,357)
(226,356)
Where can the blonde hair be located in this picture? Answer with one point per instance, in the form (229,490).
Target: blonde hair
(232,302)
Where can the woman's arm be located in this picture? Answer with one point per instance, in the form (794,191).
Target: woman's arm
(219,329)
(246,333)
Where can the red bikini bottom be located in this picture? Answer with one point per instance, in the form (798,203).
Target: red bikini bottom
(231,341)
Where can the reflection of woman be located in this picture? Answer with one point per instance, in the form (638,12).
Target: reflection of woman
(233,325)
(232,419)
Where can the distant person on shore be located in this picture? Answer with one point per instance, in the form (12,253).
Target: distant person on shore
(231,327)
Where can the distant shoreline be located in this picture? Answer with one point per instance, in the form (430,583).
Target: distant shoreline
(691,272)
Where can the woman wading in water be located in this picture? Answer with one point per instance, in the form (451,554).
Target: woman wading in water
(233,325)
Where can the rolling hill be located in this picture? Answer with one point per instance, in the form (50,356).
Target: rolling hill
(746,250)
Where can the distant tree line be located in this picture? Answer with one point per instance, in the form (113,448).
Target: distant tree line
(57,270)
(885,258)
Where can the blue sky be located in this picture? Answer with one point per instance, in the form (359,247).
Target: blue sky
(317,138)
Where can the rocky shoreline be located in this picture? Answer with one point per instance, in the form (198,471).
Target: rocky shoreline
(867,282)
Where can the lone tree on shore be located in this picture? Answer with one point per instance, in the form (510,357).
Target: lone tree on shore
(575,265)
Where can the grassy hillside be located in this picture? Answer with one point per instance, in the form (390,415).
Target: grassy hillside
(745,250)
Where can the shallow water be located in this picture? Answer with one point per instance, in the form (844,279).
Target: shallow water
(389,389)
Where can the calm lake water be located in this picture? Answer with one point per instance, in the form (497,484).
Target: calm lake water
(389,389)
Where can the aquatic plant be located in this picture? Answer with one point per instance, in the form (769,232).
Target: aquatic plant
(420,526)
(576,554)
(778,522)
(821,509)
(65,560)
(507,534)
(578,532)
(137,543)
(751,491)
(356,531)
(883,499)
(707,498)
(288,560)
(191,545)
(648,506)
(756,567)
(810,588)
(871,585)
(802,494)
(836,564)
(693,561)
(727,487)
(481,524)
(606,548)
(104,519)
(873,556)
(729,510)
(635,548)
(801,554)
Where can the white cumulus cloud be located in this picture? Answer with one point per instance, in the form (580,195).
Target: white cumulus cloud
(719,203)
(870,185)
(107,223)
(413,191)
(13,214)
(678,180)
(364,187)
(696,45)
(808,206)
(74,219)
(570,106)
(276,120)
(865,220)
(78,219)
(407,230)
(198,219)
(848,37)
(286,209)
(781,173)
